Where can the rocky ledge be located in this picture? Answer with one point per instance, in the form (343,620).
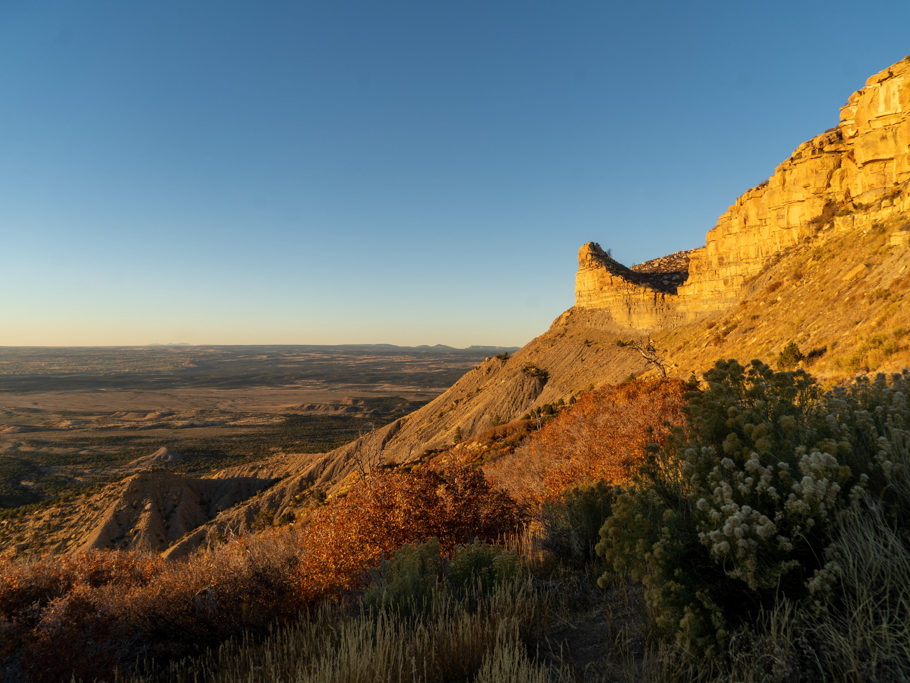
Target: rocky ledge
(848,178)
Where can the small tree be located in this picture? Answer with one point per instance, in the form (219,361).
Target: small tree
(536,372)
(648,351)
(789,357)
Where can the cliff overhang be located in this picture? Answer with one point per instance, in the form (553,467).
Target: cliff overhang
(849,178)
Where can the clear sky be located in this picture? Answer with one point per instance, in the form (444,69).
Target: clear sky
(402,172)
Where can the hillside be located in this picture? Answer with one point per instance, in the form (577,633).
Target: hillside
(817,255)
(148,511)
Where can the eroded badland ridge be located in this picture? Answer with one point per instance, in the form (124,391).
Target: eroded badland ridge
(819,255)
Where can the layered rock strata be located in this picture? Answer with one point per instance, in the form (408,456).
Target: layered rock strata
(641,296)
(847,178)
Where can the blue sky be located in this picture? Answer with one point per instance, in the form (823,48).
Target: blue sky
(402,172)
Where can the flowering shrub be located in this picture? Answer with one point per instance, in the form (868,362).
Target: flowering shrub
(740,507)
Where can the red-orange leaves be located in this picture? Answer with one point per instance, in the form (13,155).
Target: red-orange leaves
(390,509)
(83,615)
(601,437)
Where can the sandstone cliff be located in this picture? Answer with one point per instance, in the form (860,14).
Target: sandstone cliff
(849,178)
(841,199)
(643,296)
(819,255)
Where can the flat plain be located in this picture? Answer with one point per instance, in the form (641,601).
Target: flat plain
(71,418)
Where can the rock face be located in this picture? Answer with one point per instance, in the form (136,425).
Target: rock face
(641,297)
(840,183)
(155,508)
(848,178)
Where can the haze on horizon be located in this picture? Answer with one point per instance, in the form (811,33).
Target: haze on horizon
(217,173)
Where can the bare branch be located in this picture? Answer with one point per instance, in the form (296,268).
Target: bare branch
(647,351)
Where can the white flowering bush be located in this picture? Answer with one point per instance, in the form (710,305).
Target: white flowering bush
(741,507)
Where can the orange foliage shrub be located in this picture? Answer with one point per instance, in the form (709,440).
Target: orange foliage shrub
(31,591)
(87,614)
(601,437)
(392,508)
(108,607)
(27,585)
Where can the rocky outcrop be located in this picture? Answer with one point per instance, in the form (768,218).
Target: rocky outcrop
(152,509)
(641,296)
(847,178)
(835,183)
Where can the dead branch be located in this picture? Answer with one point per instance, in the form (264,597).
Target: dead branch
(647,351)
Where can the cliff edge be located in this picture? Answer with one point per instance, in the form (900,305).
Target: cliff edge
(818,256)
(849,178)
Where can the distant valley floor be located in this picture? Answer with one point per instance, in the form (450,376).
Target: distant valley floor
(74,418)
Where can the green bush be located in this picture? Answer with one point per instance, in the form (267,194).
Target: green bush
(572,523)
(789,357)
(741,508)
(407,579)
(481,566)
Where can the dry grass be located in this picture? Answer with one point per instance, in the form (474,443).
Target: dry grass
(484,638)
(110,607)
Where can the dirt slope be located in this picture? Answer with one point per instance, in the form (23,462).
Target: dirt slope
(157,507)
(818,256)
(149,510)
(834,280)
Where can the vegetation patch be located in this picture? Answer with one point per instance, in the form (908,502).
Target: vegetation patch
(601,437)
(746,513)
(789,357)
(751,529)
